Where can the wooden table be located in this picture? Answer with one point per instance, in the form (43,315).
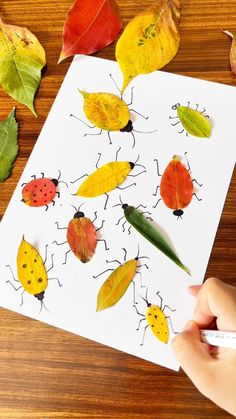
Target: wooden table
(48,373)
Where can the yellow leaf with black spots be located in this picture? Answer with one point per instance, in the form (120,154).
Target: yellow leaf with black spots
(30,269)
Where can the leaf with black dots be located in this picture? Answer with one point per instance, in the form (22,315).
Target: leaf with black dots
(30,269)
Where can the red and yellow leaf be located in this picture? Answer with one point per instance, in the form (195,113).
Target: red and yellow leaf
(90,26)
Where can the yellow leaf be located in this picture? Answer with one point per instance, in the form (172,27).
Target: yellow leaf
(150,40)
(30,269)
(21,59)
(116,285)
(106,111)
(158,323)
(104,179)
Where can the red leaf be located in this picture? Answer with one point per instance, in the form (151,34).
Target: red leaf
(90,26)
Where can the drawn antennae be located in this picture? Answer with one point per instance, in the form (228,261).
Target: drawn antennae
(81,206)
(145,132)
(121,203)
(137,159)
(41,307)
(140,165)
(74,207)
(117,152)
(61,181)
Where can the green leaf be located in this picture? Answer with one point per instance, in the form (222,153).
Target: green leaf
(194,122)
(21,59)
(152,233)
(8,145)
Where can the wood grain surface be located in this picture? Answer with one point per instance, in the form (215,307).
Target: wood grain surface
(46,372)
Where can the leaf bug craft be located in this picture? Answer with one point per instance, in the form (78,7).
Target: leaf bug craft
(109,112)
(107,177)
(41,192)
(156,320)
(115,286)
(150,231)
(32,272)
(176,187)
(81,236)
(193,121)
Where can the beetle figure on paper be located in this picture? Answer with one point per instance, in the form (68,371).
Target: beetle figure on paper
(176,187)
(110,113)
(31,272)
(81,236)
(193,121)
(107,177)
(156,320)
(41,192)
(150,231)
(118,281)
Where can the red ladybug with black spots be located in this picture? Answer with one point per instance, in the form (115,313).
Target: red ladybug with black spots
(41,192)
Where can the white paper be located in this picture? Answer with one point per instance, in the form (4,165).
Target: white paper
(62,146)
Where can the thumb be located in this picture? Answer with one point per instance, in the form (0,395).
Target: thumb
(193,356)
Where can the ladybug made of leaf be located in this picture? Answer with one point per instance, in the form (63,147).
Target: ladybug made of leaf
(176,187)
(40,192)
(81,236)
(109,112)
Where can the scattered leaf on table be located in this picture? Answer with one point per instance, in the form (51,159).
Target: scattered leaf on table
(152,233)
(90,26)
(116,285)
(194,122)
(8,144)
(232,56)
(150,40)
(21,59)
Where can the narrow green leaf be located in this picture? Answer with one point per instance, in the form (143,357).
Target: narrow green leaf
(152,234)
(194,122)
(8,145)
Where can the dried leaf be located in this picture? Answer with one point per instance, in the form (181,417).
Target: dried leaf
(232,56)
(21,59)
(31,270)
(150,40)
(194,122)
(106,111)
(90,26)
(104,179)
(8,144)
(152,233)
(116,285)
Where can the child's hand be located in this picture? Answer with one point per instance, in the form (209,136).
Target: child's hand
(211,369)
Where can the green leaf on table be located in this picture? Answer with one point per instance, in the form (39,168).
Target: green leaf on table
(194,122)
(21,59)
(8,145)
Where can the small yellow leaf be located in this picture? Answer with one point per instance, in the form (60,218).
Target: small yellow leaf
(116,285)
(150,40)
(106,111)
(232,56)
(30,269)
(104,179)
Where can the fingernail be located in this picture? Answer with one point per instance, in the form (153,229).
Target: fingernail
(189,325)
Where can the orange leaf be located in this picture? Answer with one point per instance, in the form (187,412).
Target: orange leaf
(232,56)
(90,26)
